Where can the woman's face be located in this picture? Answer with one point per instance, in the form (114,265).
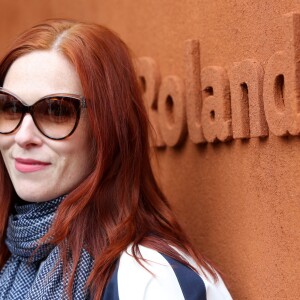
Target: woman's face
(63,163)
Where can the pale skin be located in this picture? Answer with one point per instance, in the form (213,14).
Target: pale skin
(69,161)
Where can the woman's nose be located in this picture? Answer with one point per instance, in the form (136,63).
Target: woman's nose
(27,135)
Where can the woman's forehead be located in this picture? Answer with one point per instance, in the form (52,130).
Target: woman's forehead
(41,73)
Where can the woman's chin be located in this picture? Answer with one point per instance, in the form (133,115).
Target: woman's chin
(35,196)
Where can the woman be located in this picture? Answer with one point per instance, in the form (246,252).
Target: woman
(81,214)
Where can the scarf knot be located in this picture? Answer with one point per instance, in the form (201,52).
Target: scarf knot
(27,226)
(35,271)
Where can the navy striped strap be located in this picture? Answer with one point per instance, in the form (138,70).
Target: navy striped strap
(111,291)
(192,285)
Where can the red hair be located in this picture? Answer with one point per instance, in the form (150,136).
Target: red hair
(119,203)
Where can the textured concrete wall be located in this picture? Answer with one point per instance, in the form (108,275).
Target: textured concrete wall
(238,194)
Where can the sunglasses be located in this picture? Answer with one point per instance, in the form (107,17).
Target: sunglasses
(56,116)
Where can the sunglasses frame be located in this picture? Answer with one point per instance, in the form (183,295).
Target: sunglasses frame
(30,109)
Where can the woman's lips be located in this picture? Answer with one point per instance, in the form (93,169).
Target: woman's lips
(29,165)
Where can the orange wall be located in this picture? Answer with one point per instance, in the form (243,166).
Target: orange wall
(238,200)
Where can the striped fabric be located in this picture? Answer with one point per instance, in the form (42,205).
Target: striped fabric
(162,278)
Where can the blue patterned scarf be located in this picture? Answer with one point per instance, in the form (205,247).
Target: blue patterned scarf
(30,274)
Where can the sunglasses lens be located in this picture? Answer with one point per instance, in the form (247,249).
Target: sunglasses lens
(56,117)
(10,113)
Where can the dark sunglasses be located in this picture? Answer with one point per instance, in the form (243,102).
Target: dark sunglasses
(56,116)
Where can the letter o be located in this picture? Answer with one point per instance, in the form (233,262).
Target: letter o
(171,111)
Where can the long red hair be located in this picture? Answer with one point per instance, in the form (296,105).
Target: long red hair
(119,203)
